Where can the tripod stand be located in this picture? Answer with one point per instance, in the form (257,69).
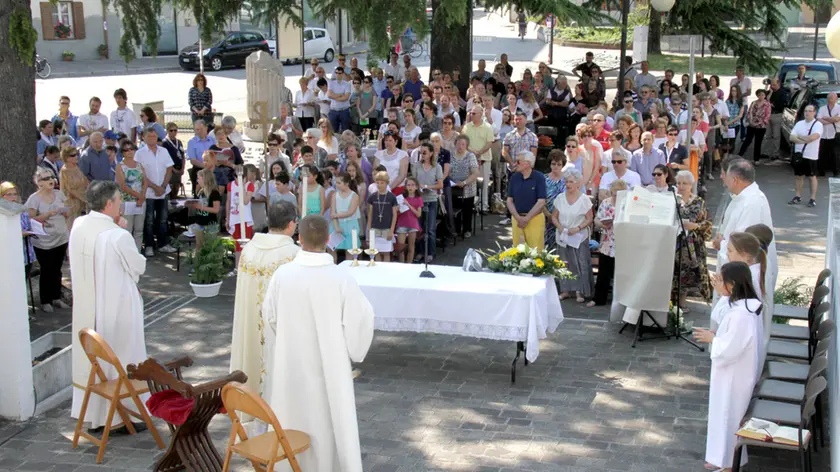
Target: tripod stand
(682,244)
(426,274)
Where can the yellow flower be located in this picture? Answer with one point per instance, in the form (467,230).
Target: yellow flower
(540,264)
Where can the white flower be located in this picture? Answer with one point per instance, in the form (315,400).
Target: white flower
(522,248)
(533,252)
(525,263)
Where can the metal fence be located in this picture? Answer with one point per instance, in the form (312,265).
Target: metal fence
(183,119)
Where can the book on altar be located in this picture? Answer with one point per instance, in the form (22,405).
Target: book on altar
(646,207)
(763,430)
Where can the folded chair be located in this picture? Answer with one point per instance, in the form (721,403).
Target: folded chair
(267,448)
(821,289)
(801,418)
(794,372)
(116,390)
(800,333)
(801,351)
(187,410)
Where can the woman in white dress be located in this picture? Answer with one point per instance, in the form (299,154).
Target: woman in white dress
(733,375)
(572,216)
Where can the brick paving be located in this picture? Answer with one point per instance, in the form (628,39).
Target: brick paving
(445,403)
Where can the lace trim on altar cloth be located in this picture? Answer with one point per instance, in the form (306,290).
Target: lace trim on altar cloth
(419,325)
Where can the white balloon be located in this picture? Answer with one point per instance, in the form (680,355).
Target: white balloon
(832,36)
(662,5)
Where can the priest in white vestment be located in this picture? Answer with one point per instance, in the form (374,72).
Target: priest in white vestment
(733,375)
(749,206)
(323,322)
(105,266)
(260,259)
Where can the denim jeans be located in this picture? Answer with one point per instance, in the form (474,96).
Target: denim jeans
(156,221)
(430,225)
(340,120)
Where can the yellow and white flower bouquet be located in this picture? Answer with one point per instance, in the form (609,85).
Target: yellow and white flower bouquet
(522,259)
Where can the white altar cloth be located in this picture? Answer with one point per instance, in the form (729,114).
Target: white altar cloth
(476,304)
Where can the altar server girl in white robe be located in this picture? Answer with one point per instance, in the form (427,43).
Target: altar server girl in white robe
(746,248)
(765,236)
(734,353)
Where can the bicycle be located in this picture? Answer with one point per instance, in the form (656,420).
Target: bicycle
(412,47)
(42,67)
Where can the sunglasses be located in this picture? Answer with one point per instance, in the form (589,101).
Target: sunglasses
(273,144)
(673,134)
(173,130)
(619,162)
(628,101)
(658,174)
(571,146)
(408,101)
(64,103)
(128,149)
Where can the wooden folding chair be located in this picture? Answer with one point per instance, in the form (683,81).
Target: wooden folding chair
(191,448)
(116,390)
(268,448)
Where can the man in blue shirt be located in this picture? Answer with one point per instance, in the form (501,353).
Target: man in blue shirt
(195,148)
(526,199)
(94,161)
(413,85)
(338,92)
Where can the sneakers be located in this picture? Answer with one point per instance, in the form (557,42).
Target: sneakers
(812,203)
(150,252)
(710,177)
(167,249)
(60,305)
(795,201)
(467,235)
(505,221)
(47,308)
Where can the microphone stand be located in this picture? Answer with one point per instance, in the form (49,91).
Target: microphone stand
(426,274)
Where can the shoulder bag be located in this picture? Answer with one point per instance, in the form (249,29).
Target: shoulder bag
(797,156)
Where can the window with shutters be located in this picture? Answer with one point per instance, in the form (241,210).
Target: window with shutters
(62,17)
(62,20)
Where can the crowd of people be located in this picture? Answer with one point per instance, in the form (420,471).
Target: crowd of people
(385,153)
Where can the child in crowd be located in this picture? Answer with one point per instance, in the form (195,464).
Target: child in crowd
(382,216)
(296,147)
(315,194)
(235,215)
(344,203)
(284,191)
(207,208)
(408,223)
(307,158)
(329,188)
(372,187)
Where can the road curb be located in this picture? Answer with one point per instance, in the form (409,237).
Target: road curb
(120,71)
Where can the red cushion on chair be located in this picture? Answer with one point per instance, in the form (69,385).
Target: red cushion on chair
(170,406)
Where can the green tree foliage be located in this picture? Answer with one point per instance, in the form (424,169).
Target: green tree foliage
(376,16)
(22,36)
(566,11)
(726,24)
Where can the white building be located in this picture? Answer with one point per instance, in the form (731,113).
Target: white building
(82,26)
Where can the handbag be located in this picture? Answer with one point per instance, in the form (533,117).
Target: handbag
(797,156)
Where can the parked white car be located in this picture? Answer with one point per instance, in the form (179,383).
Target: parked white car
(316,43)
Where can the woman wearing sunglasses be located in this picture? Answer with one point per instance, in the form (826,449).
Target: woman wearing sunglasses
(48,206)
(663,180)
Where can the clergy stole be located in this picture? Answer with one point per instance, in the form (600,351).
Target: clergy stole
(86,231)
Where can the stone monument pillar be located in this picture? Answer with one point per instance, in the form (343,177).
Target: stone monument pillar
(265,83)
(17,399)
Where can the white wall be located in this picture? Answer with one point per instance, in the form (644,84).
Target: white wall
(832,261)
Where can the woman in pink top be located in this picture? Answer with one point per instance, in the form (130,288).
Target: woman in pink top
(757,118)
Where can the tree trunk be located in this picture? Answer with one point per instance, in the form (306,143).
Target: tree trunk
(654,32)
(451,45)
(17,123)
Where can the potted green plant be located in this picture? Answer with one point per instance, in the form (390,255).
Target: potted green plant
(68,55)
(103,51)
(210,264)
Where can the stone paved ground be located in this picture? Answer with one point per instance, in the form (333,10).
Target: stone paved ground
(433,402)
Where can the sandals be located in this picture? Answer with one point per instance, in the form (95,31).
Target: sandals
(590,304)
(564,296)
(580,299)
